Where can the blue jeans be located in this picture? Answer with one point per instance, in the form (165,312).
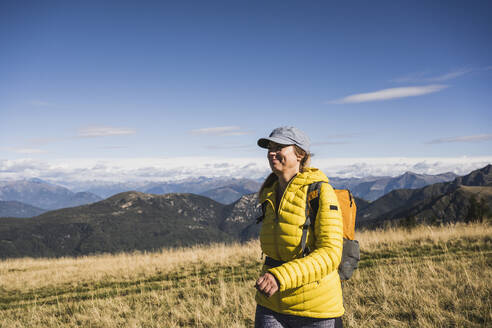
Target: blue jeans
(266,318)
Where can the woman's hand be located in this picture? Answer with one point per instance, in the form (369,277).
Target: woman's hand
(267,284)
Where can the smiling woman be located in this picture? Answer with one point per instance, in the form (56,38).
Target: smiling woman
(297,288)
(279,155)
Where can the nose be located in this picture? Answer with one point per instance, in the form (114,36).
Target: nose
(272,152)
(273,155)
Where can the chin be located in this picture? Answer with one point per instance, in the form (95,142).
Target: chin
(275,165)
(277,169)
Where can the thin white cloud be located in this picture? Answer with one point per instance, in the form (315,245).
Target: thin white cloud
(103,131)
(475,138)
(29,151)
(220,131)
(32,146)
(425,77)
(392,93)
(450,75)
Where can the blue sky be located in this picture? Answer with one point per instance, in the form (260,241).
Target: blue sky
(151,83)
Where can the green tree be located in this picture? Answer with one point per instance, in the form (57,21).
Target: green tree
(472,209)
(409,222)
(477,210)
(483,210)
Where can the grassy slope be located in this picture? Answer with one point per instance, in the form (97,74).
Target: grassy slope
(426,277)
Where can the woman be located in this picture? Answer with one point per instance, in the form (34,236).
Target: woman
(296,290)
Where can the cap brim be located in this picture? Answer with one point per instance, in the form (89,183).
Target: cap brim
(263,142)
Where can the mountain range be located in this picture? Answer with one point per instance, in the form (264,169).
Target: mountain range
(43,195)
(371,188)
(18,209)
(222,189)
(48,196)
(227,190)
(441,202)
(198,185)
(126,222)
(138,221)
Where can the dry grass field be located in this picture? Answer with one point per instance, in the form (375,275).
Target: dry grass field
(422,277)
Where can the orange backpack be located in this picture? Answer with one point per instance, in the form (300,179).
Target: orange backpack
(351,249)
(349,210)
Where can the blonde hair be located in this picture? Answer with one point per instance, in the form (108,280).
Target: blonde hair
(306,158)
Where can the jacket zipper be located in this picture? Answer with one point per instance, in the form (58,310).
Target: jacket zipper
(277,212)
(275,232)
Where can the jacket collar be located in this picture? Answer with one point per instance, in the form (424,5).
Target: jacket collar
(309,176)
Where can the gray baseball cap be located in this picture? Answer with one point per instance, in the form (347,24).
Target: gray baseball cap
(287,135)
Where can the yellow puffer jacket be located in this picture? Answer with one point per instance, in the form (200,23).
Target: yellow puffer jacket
(310,285)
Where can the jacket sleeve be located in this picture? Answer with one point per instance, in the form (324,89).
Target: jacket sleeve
(327,253)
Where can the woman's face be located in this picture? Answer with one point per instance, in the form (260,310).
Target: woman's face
(283,158)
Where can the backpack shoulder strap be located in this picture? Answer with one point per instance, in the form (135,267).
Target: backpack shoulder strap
(312,205)
(263,211)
